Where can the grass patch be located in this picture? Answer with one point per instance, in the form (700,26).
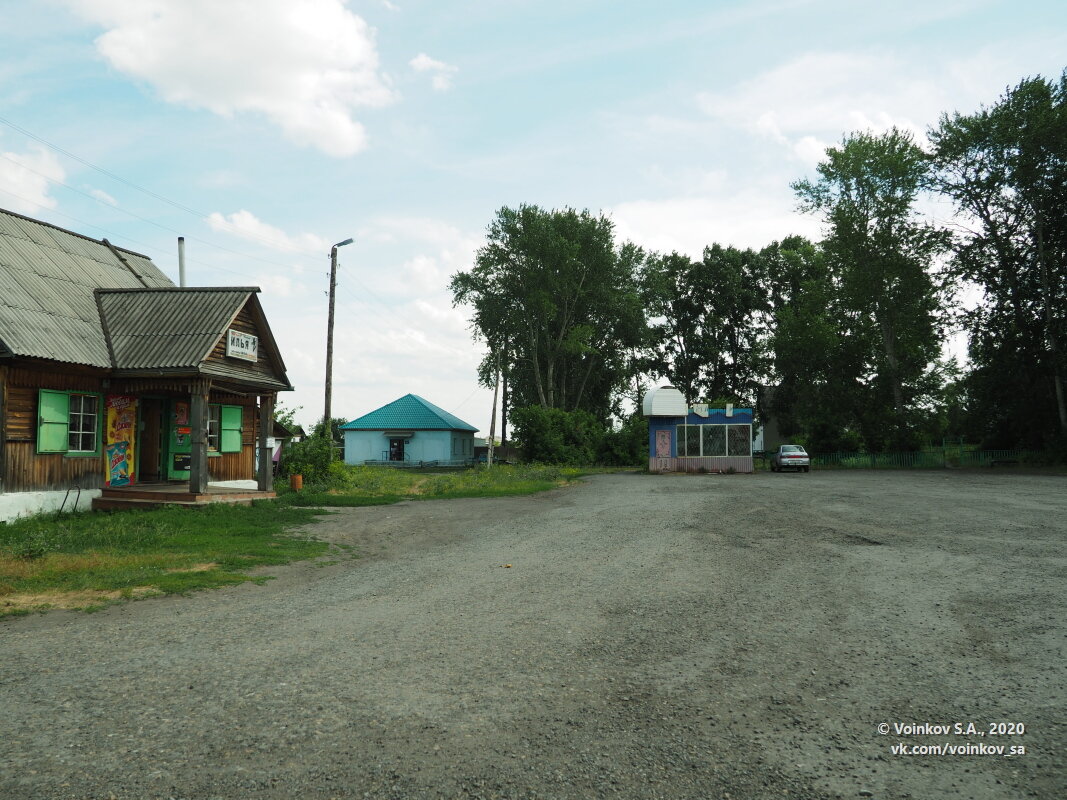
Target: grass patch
(322,498)
(87,560)
(367,486)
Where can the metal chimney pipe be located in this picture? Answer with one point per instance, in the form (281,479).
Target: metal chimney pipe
(181,261)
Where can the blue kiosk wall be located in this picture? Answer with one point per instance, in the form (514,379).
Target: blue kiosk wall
(699,443)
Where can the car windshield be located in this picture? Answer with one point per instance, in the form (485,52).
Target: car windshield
(792,448)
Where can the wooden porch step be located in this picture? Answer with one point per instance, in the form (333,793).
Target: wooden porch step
(117,500)
(182,497)
(109,504)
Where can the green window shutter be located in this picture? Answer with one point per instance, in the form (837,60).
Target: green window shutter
(53,420)
(230,429)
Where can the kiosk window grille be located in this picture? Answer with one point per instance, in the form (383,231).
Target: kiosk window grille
(740,439)
(714,440)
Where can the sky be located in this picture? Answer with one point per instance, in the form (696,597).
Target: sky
(264,131)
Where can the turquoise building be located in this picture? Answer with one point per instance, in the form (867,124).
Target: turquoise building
(407,432)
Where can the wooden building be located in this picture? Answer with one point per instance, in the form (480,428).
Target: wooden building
(112,378)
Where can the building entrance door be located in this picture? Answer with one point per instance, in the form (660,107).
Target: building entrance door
(396,449)
(152,428)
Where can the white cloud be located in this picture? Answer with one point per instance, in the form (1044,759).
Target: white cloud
(25,177)
(814,100)
(306,65)
(247,225)
(749,218)
(104,197)
(442,72)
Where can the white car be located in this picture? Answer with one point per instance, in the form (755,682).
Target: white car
(790,456)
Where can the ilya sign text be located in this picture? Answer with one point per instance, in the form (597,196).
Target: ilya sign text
(242,345)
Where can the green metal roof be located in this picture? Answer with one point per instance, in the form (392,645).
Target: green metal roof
(410,412)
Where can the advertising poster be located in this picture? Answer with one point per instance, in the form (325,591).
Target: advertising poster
(119,444)
(181,441)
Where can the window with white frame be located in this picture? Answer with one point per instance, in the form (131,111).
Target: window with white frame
(224,428)
(83,428)
(68,422)
(214,426)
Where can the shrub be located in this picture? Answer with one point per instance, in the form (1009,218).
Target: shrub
(554,436)
(627,446)
(311,458)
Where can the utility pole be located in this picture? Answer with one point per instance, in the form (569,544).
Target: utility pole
(327,416)
(492,421)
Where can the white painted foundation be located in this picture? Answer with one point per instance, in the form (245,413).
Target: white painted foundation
(250,485)
(26,504)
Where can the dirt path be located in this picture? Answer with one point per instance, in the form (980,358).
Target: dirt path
(655,637)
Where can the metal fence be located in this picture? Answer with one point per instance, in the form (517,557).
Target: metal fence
(936,458)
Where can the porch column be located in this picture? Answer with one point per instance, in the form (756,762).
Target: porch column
(198,424)
(266,424)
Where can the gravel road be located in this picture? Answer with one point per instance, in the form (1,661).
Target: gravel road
(654,637)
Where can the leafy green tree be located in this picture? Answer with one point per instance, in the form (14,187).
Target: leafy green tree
(881,256)
(1005,168)
(287,416)
(708,322)
(628,445)
(557,304)
(817,357)
(555,436)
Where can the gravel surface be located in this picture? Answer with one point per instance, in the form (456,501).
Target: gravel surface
(654,637)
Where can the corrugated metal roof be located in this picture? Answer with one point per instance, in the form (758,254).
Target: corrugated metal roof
(167,328)
(47,278)
(409,412)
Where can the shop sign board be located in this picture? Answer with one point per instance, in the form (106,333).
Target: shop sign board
(244,346)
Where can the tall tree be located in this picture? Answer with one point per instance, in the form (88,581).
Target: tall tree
(883,257)
(708,322)
(818,353)
(1005,168)
(555,298)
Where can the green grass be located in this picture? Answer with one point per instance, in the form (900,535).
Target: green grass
(87,560)
(364,486)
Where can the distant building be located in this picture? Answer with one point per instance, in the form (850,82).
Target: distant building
(695,438)
(406,432)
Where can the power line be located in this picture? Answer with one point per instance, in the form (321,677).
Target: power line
(201,216)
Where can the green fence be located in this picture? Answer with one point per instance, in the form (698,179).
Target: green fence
(936,458)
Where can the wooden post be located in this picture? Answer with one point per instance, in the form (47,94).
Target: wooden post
(266,462)
(3,424)
(198,411)
(492,419)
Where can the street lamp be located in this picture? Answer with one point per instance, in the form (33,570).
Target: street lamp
(327,418)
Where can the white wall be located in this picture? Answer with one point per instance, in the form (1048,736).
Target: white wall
(24,504)
(363,446)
